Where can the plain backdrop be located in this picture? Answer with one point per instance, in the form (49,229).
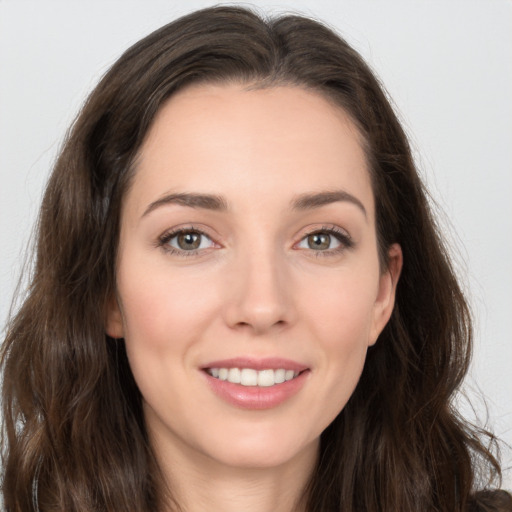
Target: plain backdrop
(446,64)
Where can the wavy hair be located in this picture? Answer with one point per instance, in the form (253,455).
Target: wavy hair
(74,431)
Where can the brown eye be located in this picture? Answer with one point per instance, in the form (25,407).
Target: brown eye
(188,241)
(328,241)
(319,241)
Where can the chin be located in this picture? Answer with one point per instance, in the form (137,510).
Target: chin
(264,452)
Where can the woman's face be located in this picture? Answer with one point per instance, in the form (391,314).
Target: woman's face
(248,279)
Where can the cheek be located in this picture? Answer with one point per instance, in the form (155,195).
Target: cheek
(341,308)
(165,313)
(340,319)
(161,306)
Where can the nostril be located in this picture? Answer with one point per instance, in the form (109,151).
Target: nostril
(259,326)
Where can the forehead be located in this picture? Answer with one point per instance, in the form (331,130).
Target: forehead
(227,139)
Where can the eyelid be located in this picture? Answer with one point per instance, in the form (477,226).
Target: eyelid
(163,240)
(341,235)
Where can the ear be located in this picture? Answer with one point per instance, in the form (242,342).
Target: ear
(385,302)
(114,319)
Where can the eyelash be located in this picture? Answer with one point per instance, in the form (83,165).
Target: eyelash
(163,241)
(341,236)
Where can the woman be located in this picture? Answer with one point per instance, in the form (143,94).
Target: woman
(240,300)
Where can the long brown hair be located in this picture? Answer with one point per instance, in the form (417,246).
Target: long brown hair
(74,432)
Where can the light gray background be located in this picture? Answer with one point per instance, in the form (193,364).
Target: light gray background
(446,64)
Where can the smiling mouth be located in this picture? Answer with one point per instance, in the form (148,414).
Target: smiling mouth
(251,377)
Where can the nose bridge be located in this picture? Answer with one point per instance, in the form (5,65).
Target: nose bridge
(260,288)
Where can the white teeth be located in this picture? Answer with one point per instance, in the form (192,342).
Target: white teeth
(279,376)
(289,375)
(250,377)
(234,375)
(266,378)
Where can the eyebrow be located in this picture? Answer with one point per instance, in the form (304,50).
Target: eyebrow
(213,202)
(192,200)
(316,200)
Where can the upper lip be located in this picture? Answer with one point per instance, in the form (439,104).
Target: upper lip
(266,363)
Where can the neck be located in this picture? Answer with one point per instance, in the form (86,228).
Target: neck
(199,483)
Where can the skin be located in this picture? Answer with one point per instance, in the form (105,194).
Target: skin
(256,287)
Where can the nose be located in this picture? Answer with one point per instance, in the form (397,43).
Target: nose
(260,293)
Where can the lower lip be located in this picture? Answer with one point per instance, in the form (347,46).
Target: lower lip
(255,397)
